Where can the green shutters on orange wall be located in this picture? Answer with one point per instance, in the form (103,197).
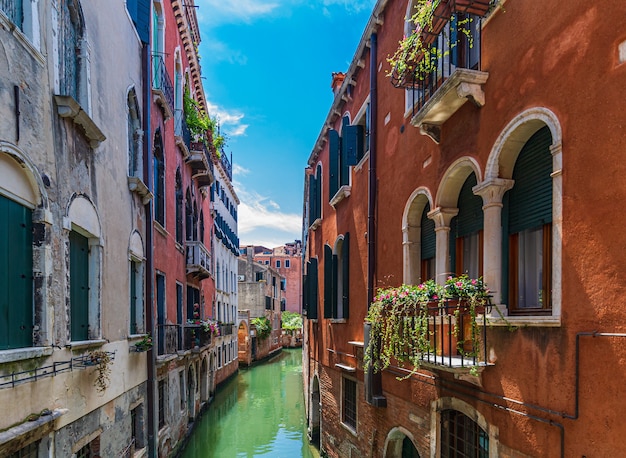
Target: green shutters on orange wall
(79,286)
(16,275)
(345,261)
(334,146)
(328,282)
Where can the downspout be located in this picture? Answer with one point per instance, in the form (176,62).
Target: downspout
(373,381)
(147,176)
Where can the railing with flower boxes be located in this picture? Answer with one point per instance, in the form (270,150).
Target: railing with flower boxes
(440,326)
(181,337)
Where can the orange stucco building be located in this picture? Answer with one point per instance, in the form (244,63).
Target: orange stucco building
(504,162)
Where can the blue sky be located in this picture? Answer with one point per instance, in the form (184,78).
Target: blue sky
(267,68)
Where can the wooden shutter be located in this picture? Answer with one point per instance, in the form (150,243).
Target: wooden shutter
(16,275)
(313,200)
(133,297)
(79,286)
(306,291)
(333,161)
(328,282)
(335,289)
(470,217)
(428,238)
(345,260)
(313,288)
(353,141)
(530,199)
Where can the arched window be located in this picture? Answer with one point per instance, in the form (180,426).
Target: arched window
(527,228)
(462,437)
(202,226)
(466,232)
(428,244)
(188,216)
(72,53)
(159,179)
(134,136)
(179,206)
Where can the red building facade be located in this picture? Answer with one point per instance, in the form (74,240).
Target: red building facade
(484,168)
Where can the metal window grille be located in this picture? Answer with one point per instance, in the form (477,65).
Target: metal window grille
(462,437)
(69,49)
(30,451)
(349,403)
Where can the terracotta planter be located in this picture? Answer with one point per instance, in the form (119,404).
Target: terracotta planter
(477,7)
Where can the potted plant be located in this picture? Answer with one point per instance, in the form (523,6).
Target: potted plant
(144,344)
(403,320)
(263,327)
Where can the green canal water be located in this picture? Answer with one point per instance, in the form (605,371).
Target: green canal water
(260,412)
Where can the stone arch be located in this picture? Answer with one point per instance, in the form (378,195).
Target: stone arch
(211,374)
(499,169)
(81,212)
(452,181)
(20,179)
(135,245)
(204,379)
(191,390)
(395,442)
(513,137)
(452,403)
(314,429)
(411,234)
(243,343)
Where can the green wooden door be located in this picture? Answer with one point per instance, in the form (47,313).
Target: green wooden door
(16,275)
(79,287)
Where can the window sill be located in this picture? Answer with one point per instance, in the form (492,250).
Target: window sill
(6,24)
(160,229)
(349,429)
(338,320)
(80,344)
(343,193)
(359,166)
(136,184)
(67,107)
(33,429)
(315,224)
(19,354)
(495,319)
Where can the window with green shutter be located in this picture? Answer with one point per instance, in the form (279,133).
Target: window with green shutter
(329,296)
(313,289)
(334,166)
(466,232)
(527,229)
(16,275)
(79,286)
(134,274)
(428,243)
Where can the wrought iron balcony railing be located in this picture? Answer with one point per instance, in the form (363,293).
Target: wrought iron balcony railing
(226,329)
(173,338)
(181,129)
(198,259)
(161,80)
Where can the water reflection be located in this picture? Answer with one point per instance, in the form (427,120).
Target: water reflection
(258,413)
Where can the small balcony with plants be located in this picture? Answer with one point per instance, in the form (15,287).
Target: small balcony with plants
(439,327)
(438,61)
(182,134)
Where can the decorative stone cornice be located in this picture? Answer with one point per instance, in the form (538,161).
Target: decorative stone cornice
(68,107)
(442,217)
(492,191)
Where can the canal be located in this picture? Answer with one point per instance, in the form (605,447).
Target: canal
(260,412)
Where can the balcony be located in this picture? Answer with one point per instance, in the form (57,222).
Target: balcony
(162,86)
(226,329)
(451,76)
(182,134)
(226,165)
(198,260)
(201,165)
(174,338)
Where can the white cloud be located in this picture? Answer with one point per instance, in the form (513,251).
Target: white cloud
(238,170)
(220,11)
(229,120)
(261,219)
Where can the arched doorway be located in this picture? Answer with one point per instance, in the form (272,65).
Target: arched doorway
(211,375)
(204,381)
(399,444)
(191,391)
(243,345)
(314,413)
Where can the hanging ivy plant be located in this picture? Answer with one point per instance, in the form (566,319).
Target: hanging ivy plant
(402,319)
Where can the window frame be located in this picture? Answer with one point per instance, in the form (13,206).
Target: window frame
(349,403)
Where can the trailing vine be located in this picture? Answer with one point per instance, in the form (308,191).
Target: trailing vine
(402,319)
(102,360)
(263,327)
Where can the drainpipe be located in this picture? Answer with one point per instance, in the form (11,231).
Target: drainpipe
(147,176)
(373,381)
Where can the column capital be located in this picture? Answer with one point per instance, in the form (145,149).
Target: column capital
(442,216)
(492,190)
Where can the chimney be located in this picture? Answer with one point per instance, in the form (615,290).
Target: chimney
(338,78)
